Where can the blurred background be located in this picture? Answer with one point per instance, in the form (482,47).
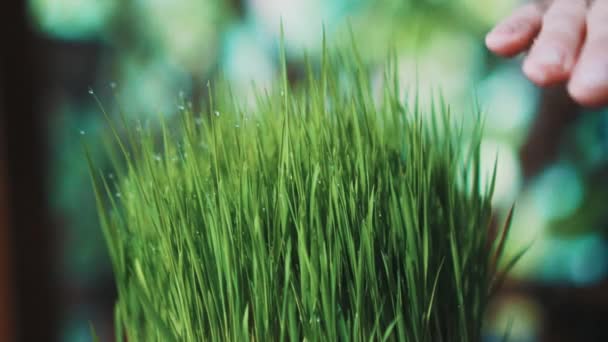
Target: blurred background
(146,56)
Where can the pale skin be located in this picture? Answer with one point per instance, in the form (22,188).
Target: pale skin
(567,43)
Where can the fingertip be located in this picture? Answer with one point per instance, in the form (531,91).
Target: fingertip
(542,75)
(547,65)
(515,34)
(504,45)
(494,43)
(589,88)
(589,82)
(587,98)
(535,74)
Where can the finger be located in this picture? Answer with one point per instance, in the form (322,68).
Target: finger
(556,49)
(589,83)
(515,34)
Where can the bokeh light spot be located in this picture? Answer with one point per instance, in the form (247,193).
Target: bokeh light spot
(72,19)
(559,191)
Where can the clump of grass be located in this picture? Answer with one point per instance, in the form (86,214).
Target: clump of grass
(323,214)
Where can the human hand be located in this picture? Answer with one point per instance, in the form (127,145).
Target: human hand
(567,41)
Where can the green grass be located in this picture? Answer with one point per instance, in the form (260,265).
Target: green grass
(323,214)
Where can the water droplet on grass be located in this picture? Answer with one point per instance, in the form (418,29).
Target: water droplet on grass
(181,107)
(118,194)
(91,92)
(217,113)
(113,85)
(157,157)
(82,132)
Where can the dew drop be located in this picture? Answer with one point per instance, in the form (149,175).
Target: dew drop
(118,194)
(217,113)
(82,132)
(113,85)
(237,125)
(111,175)
(157,157)
(181,107)
(91,91)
